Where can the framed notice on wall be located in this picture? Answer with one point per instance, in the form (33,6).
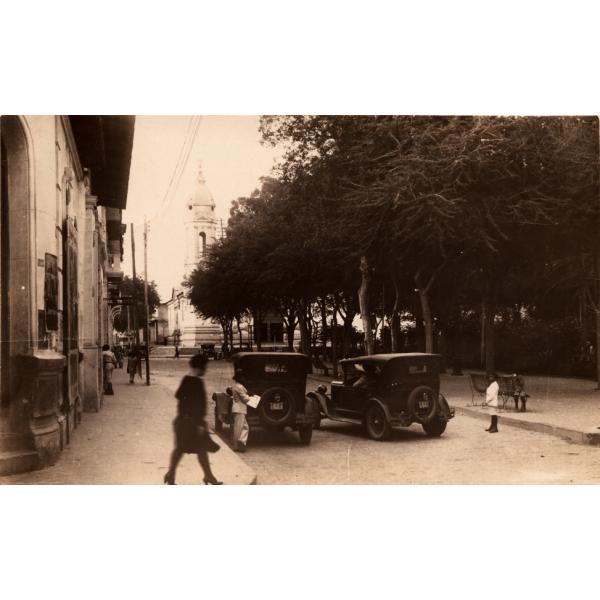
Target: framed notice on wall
(51,292)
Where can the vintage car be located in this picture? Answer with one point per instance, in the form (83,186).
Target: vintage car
(386,390)
(279,378)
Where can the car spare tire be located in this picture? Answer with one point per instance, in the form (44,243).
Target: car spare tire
(422,404)
(276,406)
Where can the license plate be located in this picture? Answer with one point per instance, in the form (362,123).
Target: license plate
(423,404)
(276,405)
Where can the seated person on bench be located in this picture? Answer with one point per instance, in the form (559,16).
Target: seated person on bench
(519,393)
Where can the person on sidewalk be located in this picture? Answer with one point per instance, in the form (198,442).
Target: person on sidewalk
(118,352)
(191,430)
(239,409)
(491,401)
(133,358)
(109,362)
(519,393)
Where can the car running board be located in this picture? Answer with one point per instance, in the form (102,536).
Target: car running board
(347,420)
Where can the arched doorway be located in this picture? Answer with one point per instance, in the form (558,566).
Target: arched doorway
(16,327)
(4,296)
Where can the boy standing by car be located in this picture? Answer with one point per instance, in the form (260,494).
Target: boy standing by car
(238,412)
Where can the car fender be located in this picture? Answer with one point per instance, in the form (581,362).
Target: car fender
(321,400)
(446,412)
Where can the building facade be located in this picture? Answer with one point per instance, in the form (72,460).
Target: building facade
(63,186)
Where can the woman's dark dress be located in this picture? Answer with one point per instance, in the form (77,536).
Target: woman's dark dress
(191,410)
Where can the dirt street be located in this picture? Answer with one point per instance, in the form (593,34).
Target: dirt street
(465,454)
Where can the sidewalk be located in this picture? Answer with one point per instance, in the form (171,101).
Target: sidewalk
(129,442)
(568,408)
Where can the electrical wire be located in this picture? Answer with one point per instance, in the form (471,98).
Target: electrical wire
(180,166)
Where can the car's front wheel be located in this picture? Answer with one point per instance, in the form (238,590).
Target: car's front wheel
(435,428)
(305,433)
(377,424)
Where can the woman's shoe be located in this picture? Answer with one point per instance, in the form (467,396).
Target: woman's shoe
(212,481)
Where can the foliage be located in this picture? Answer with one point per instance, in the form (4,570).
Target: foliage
(135,291)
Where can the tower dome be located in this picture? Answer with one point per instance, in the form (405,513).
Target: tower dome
(202,195)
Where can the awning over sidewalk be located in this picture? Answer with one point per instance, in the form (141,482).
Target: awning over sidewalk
(104,144)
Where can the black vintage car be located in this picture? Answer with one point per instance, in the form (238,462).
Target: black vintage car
(279,378)
(386,390)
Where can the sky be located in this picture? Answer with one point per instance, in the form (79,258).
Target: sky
(232,159)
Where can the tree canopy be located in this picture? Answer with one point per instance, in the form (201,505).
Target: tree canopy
(438,221)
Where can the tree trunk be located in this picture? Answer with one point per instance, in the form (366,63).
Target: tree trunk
(395,322)
(305,344)
(427,320)
(334,338)
(237,320)
(597,307)
(423,292)
(489,332)
(288,315)
(257,329)
(363,300)
(482,339)
(323,306)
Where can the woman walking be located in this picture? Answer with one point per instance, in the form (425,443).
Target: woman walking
(491,400)
(133,359)
(109,362)
(191,431)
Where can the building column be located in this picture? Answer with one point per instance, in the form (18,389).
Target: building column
(92,361)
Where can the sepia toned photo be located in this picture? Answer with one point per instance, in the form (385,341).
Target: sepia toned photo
(311,299)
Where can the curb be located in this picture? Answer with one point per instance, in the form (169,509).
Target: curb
(571,435)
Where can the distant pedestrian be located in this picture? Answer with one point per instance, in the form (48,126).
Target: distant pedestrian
(191,430)
(133,359)
(118,352)
(491,401)
(519,393)
(239,409)
(109,362)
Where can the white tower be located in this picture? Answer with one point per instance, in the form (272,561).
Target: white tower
(200,233)
(200,224)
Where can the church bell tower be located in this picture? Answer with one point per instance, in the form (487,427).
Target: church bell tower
(200,224)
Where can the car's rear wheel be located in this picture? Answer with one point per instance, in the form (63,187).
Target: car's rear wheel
(377,424)
(435,428)
(305,433)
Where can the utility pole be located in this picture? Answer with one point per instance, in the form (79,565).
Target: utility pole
(147,327)
(136,332)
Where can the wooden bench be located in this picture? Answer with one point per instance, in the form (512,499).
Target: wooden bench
(478,387)
(509,386)
(513,388)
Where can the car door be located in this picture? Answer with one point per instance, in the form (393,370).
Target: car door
(350,400)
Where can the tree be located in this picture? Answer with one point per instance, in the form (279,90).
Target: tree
(135,291)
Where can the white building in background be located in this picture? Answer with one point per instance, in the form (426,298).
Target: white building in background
(186,328)
(176,318)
